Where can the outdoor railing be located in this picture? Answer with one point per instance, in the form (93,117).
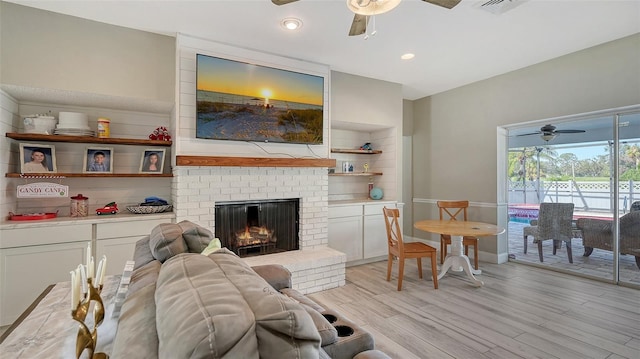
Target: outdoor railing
(586,196)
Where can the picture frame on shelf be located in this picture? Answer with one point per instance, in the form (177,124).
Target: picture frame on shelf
(98,160)
(152,161)
(37,158)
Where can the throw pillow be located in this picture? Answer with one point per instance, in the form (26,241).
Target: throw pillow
(195,236)
(213,246)
(166,241)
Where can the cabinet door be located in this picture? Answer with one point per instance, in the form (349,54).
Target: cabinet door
(118,252)
(27,271)
(375,236)
(345,235)
(118,241)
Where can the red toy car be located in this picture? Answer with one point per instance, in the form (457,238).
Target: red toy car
(110,208)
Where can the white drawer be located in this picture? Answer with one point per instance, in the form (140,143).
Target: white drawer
(373,209)
(126,229)
(21,237)
(345,211)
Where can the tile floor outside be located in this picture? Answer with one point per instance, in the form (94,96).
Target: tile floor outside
(599,264)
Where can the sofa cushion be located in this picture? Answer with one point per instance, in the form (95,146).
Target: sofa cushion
(144,276)
(142,253)
(216,306)
(166,241)
(136,334)
(276,275)
(196,237)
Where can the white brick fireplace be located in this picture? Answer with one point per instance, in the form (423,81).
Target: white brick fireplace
(315,267)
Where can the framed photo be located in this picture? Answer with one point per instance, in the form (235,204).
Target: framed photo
(152,161)
(98,159)
(36,158)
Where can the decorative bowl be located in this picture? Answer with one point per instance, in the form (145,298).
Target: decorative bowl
(149,209)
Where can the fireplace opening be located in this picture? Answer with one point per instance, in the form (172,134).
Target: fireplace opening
(250,228)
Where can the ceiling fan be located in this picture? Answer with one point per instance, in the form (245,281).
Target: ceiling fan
(549,132)
(365,8)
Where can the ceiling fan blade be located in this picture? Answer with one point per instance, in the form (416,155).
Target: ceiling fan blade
(529,134)
(569,131)
(444,3)
(282,2)
(359,25)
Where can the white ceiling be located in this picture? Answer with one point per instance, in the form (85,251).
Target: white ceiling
(453,47)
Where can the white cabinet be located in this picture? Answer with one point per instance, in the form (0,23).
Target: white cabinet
(375,232)
(35,255)
(358,230)
(118,241)
(26,270)
(345,230)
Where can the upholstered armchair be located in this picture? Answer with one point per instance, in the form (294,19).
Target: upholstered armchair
(598,233)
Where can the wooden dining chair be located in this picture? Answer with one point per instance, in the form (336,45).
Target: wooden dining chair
(454,210)
(399,248)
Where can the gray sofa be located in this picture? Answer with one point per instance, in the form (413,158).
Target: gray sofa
(182,304)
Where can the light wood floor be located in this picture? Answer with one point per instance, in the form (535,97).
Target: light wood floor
(520,312)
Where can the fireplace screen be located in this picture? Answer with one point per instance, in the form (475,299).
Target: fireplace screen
(258,227)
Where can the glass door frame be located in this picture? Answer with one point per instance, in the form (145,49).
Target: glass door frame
(502,176)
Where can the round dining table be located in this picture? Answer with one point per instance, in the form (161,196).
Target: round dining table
(456,260)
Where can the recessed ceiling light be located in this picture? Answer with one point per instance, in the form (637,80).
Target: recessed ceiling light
(407,56)
(291,23)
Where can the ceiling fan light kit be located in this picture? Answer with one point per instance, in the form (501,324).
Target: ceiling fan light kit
(549,132)
(371,7)
(365,8)
(548,136)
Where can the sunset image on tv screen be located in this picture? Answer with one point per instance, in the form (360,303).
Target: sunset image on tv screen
(246,102)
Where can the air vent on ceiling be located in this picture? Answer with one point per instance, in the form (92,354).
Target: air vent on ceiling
(499,6)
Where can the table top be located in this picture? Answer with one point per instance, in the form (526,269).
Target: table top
(47,330)
(458,228)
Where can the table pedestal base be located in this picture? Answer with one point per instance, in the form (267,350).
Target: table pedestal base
(457,261)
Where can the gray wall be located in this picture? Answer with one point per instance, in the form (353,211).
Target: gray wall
(454,133)
(49,50)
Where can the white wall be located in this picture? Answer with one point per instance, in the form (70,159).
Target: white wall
(70,64)
(367,110)
(186,141)
(50,50)
(455,137)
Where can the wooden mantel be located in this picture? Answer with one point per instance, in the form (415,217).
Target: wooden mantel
(253,161)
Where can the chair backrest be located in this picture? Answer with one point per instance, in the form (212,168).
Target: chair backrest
(630,231)
(394,234)
(554,221)
(453,209)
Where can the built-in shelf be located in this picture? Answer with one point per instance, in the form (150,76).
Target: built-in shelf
(361,174)
(86,139)
(363,152)
(46,175)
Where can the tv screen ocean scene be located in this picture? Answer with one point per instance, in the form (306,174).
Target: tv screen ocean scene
(246,102)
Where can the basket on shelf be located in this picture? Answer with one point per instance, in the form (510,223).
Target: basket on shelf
(149,209)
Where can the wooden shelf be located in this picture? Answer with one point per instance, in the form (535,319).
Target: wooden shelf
(356,174)
(253,161)
(46,175)
(86,139)
(361,152)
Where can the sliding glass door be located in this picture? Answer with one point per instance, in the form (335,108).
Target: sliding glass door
(592,161)
(629,197)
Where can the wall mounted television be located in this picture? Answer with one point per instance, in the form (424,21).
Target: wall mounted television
(240,101)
